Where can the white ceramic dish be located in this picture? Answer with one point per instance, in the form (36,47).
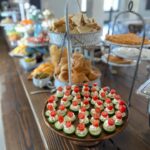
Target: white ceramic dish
(77,40)
(126,45)
(40,82)
(131,53)
(104,59)
(58,83)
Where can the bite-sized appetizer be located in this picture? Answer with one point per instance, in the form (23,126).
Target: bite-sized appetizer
(70,116)
(69,128)
(86,96)
(68,95)
(85,103)
(99,104)
(95,117)
(108,102)
(75,106)
(67,88)
(109,125)
(102,96)
(95,111)
(50,108)
(62,110)
(51,101)
(60,123)
(83,110)
(73,87)
(110,110)
(118,119)
(95,129)
(75,91)
(94,92)
(83,118)
(95,85)
(122,110)
(60,92)
(53,97)
(121,102)
(104,89)
(112,93)
(65,102)
(77,98)
(86,91)
(53,117)
(81,130)
(85,85)
(116,99)
(94,99)
(104,116)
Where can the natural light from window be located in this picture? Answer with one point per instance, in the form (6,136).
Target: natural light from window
(108,4)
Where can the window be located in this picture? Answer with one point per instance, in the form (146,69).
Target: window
(108,4)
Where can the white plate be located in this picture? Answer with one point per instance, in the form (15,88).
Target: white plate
(126,45)
(131,53)
(104,59)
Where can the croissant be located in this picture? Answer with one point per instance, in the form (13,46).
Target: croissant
(79,77)
(63,76)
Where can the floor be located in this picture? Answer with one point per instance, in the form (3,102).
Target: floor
(20,129)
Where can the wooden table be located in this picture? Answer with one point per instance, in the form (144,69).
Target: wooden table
(50,139)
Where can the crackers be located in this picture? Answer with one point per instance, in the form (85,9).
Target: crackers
(78,23)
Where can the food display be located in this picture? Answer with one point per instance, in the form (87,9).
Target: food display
(41,39)
(76,115)
(13,35)
(131,53)
(78,23)
(45,68)
(6,21)
(82,70)
(118,60)
(19,51)
(129,39)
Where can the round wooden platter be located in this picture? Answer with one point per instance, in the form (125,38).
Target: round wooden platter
(88,140)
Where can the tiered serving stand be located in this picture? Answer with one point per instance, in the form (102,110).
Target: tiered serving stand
(140,47)
(72,41)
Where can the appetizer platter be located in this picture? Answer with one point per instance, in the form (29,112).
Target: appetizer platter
(85,113)
(117,61)
(19,51)
(84,31)
(126,40)
(131,53)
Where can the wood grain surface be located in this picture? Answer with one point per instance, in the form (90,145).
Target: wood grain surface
(25,132)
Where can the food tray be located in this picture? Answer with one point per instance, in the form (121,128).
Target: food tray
(58,83)
(126,45)
(104,59)
(103,136)
(77,40)
(131,53)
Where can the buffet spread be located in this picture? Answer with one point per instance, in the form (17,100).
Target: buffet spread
(81,110)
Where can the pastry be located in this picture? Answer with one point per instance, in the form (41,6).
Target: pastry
(128,38)
(53,117)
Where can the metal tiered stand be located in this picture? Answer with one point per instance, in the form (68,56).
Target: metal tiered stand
(140,47)
(72,41)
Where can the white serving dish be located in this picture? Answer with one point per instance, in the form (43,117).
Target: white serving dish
(28,65)
(58,83)
(77,40)
(40,82)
